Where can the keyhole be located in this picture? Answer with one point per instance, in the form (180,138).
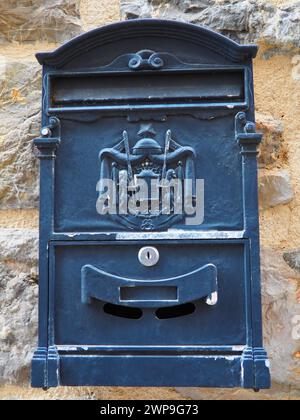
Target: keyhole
(148,256)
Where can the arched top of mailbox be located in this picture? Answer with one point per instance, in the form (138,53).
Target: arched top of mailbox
(135,29)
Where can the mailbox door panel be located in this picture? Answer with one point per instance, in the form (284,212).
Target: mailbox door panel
(217,162)
(103,295)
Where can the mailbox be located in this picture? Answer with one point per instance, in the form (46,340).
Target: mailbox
(149,240)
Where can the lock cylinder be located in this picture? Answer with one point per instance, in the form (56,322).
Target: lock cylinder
(148,256)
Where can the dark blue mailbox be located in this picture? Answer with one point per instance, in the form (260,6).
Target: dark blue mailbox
(149,241)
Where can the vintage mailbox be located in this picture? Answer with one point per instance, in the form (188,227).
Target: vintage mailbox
(149,241)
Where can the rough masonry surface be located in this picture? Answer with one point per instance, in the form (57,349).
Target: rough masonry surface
(242,20)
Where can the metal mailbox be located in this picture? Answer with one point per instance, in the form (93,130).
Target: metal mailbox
(149,241)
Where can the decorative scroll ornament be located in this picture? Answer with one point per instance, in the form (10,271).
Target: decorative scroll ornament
(146,59)
(167,171)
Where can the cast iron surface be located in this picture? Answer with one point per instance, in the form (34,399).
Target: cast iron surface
(149,99)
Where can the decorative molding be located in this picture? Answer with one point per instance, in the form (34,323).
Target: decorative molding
(255,369)
(39,368)
(45,368)
(147,161)
(53,367)
(50,140)
(146,60)
(146,28)
(246,135)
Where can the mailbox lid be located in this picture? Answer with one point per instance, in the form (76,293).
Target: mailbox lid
(78,322)
(170,35)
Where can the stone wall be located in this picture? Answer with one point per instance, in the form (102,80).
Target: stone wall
(28,26)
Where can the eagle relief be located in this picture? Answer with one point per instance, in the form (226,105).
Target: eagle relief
(148,186)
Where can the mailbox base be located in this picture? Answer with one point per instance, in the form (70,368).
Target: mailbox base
(45,369)
(246,369)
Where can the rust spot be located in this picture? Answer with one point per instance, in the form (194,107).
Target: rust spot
(16,95)
(297,355)
(298,294)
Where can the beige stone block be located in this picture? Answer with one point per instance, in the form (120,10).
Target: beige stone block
(19,218)
(272,151)
(275,189)
(20,98)
(95,13)
(88,393)
(42,20)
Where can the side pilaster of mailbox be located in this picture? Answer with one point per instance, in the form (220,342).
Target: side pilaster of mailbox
(45,369)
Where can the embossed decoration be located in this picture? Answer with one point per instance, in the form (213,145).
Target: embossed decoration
(155,165)
(146,59)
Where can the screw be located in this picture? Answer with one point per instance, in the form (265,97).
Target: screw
(45,131)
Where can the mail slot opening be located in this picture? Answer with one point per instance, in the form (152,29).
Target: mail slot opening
(122,311)
(130,89)
(175,311)
(148,293)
